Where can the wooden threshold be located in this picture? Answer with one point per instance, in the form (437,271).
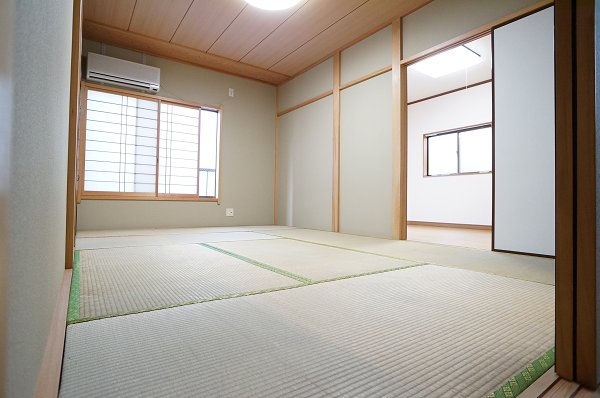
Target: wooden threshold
(450,225)
(49,376)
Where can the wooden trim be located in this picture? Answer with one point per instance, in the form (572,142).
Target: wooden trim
(335,209)
(82,133)
(365,77)
(156,177)
(137,42)
(304,103)
(72,140)
(450,225)
(565,189)
(146,197)
(49,375)
(276,161)
(403,137)
(586,277)
(398,113)
(522,253)
(477,33)
(451,91)
(220,142)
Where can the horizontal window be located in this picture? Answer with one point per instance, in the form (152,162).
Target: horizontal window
(461,151)
(138,147)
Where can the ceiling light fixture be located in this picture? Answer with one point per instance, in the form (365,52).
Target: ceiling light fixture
(457,58)
(273,4)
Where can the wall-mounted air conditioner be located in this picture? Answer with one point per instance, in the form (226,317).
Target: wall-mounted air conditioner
(118,72)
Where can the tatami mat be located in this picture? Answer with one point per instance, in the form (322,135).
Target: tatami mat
(132,279)
(529,268)
(315,262)
(424,331)
(166,239)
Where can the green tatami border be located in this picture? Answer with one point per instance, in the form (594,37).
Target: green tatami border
(525,378)
(258,263)
(73,308)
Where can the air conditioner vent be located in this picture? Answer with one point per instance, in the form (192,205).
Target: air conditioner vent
(118,72)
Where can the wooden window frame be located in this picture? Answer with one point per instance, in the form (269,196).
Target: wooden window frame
(456,131)
(144,196)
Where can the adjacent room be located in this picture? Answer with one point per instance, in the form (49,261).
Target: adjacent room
(298,198)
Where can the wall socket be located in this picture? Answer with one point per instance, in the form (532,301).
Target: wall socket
(229,212)
(231,92)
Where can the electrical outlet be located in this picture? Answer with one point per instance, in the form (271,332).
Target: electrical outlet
(231,92)
(229,212)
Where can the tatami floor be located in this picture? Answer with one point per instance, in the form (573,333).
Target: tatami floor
(277,311)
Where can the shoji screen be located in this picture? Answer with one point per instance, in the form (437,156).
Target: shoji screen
(524,134)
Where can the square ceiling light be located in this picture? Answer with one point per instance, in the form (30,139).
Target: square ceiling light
(455,59)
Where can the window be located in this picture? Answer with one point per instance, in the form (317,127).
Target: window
(462,151)
(143,147)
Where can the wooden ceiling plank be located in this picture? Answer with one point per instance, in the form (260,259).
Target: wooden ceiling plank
(158,18)
(115,13)
(251,27)
(315,17)
(361,23)
(134,41)
(205,21)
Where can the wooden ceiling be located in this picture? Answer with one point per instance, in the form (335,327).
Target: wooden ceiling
(234,37)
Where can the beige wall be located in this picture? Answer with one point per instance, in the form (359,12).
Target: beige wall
(41,48)
(314,82)
(442,20)
(247,157)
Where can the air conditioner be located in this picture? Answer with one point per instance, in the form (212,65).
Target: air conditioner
(118,72)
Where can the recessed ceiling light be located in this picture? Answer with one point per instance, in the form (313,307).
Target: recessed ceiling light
(455,59)
(273,4)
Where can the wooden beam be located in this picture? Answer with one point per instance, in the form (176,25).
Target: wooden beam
(565,191)
(304,103)
(136,42)
(49,377)
(73,127)
(335,208)
(586,353)
(399,135)
(276,174)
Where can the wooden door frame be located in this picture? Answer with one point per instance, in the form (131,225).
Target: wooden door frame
(576,255)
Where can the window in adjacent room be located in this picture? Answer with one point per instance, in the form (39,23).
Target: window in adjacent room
(147,148)
(461,151)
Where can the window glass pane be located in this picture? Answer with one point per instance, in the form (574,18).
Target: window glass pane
(178,152)
(209,153)
(475,150)
(120,148)
(442,154)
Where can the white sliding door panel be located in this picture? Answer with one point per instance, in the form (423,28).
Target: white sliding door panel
(366,158)
(305,166)
(524,134)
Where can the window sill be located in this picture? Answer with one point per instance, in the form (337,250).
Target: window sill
(459,174)
(146,197)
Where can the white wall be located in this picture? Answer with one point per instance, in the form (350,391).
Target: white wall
(37,187)
(366,158)
(524,134)
(305,166)
(461,199)
(442,20)
(247,153)
(366,56)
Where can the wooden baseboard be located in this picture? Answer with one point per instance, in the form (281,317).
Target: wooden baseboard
(49,377)
(450,225)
